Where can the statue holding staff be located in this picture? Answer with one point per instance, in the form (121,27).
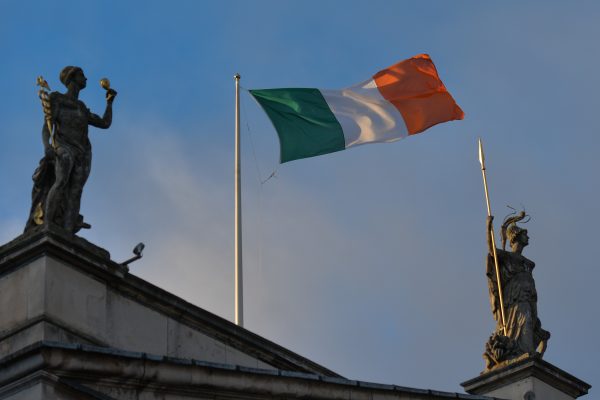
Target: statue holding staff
(513,296)
(63,171)
(522,334)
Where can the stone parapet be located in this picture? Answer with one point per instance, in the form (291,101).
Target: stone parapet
(528,379)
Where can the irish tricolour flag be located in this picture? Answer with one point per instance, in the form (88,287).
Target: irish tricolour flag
(402,100)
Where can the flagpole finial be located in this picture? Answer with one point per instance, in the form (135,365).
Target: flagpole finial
(237,76)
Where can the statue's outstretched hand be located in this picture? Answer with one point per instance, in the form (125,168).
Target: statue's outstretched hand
(110,95)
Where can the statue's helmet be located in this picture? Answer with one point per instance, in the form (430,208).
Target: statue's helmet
(510,230)
(67,74)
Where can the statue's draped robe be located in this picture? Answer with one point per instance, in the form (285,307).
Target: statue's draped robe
(520,300)
(73,153)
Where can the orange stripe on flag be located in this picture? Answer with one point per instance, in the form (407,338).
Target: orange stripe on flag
(415,89)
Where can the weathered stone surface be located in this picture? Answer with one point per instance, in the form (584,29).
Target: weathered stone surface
(74,299)
(184,340)
(87,329)
(63,290)
(51,239)
(34,392)
(134,326)
(530,389)
(96,373)
(22,295)
(530,376)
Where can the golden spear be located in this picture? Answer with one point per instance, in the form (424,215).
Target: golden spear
(489,211)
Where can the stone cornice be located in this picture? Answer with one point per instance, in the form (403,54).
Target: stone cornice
(529,367)
(134,371)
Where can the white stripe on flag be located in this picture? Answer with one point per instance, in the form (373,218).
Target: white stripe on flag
(365,116)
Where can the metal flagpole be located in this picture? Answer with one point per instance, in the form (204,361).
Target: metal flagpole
(489,211)
(239,286)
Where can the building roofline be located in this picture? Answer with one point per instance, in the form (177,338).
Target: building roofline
(95,261)
(84,362)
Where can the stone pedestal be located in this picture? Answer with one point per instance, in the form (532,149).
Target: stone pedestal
(528,379)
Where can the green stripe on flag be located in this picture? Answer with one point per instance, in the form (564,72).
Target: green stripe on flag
(304,122)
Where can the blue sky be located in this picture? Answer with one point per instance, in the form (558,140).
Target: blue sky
(369,261)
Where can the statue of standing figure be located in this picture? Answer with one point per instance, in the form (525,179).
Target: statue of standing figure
(523,335)
(59,179)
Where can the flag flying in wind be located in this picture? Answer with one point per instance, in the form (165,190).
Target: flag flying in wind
(401,100)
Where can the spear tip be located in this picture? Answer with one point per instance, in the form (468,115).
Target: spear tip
(481,155)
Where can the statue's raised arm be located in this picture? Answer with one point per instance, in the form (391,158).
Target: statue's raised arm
(106,120)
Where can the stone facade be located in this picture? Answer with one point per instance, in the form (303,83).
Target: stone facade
(52,289)
(76,325)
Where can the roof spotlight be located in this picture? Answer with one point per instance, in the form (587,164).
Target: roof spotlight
(137,250)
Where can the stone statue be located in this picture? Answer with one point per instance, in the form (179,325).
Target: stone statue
(524,335)
(59,179)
